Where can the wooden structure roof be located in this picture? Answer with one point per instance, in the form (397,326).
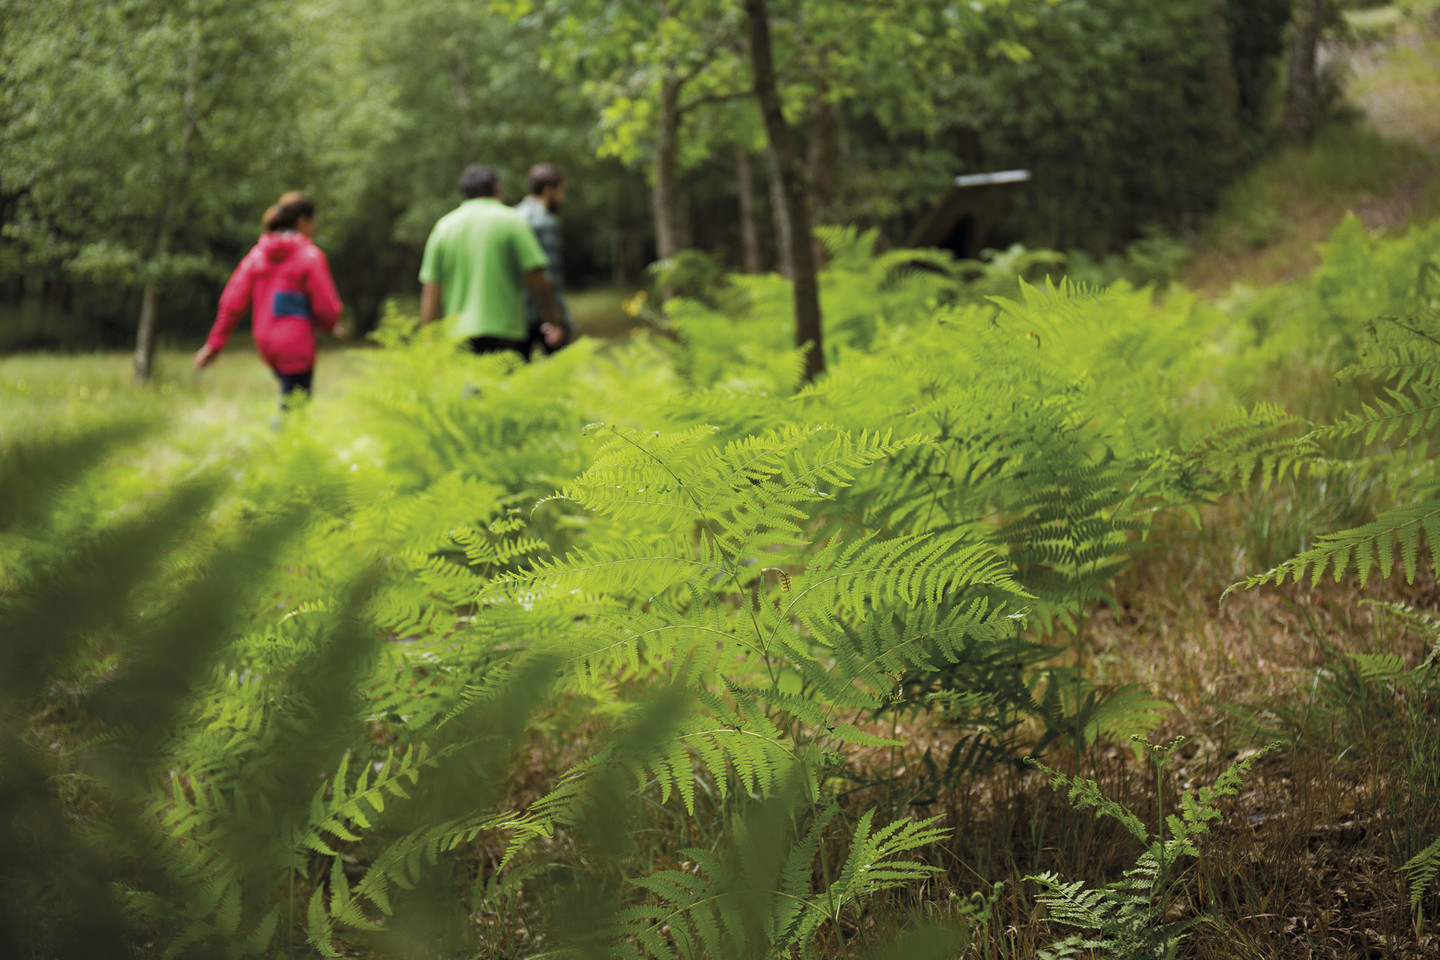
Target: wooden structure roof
(966,212)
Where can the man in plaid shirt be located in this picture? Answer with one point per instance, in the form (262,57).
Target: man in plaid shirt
(539,208)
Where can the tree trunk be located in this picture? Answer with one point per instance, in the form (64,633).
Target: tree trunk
(749,230)
(145,334)
(1226,85)
(666,198)
(460,85)
(781,216)
(150,301)
(823,144)
(1300,77)
(793,177)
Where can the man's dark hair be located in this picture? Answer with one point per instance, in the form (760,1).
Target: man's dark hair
(479,180)
(544,175)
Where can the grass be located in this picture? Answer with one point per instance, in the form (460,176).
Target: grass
(1383,165)
(598,312)
(38,390)
(1269,226)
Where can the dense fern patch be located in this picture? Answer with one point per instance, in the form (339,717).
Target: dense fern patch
(298,696)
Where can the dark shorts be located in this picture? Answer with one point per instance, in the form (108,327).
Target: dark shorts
(479,345)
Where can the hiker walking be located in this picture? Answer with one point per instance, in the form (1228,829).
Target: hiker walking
(284,281)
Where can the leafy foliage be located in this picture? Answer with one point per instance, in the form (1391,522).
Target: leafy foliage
(1127,918)
(758,901)
(1403,363)
(300,707)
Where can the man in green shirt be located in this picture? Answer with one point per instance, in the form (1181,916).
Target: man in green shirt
(479,261)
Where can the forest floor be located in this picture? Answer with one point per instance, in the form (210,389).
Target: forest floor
(1378,157)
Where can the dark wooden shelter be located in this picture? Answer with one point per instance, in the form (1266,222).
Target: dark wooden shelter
(966,211)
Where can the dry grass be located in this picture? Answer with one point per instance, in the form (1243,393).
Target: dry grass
(1305,863)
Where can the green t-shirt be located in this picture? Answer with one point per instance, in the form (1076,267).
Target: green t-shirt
(479,253)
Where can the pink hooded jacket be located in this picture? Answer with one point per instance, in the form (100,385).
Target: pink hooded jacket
(285,282)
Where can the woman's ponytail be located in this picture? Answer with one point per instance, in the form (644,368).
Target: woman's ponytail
(287,212)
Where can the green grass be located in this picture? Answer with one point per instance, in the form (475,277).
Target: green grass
(598,312)
(1270,223)
(1383,167)
(210,417)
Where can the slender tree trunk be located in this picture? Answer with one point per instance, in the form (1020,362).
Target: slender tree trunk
(823,144)
(145,335)
(793,179)
(460,84)
(150,300)
(666,199)
(1300,79)
(781,216)
(1226,86)
(749,230)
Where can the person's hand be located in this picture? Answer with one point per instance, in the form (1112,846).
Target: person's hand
(554,334)
(205,356)
(341,332)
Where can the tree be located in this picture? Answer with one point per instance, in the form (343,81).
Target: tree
(891,66)
(1301,79)
(126,120)
(651,68)
(794,188)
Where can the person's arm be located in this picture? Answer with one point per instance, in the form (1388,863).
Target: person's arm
(543,293)
(325,305)
(533,264)
(563,308)
(234,301)
(431,302)
(551,239)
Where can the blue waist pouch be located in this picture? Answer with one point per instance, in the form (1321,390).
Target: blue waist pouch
(289,303)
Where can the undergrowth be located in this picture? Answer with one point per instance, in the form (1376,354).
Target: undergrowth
(650,651)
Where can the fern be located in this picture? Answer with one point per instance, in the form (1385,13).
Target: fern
(1406,353)
(1125,919)
(752,902)
(1421,871)
(324,669)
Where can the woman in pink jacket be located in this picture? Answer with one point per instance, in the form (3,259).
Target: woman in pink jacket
(284,281)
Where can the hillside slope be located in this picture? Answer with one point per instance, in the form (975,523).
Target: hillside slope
(1379,159)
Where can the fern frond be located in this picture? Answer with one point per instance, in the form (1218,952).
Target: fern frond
(1421,870)
(1400,415)
(1366,547)
(1249,444)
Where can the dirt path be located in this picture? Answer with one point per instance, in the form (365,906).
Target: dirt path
(1385,168)
(1395,83)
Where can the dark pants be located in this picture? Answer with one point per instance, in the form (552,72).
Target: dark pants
(480,345)
(290,382)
